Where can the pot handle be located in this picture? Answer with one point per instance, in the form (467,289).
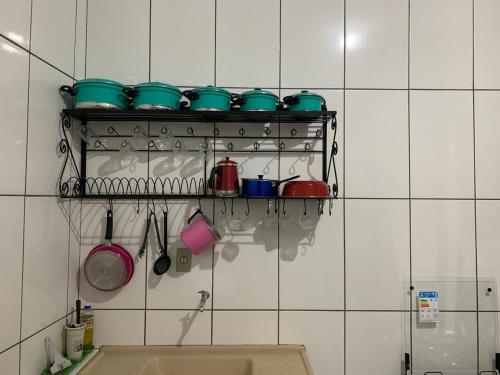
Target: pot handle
(237,99)
(291,100)
(323,104)
(130,91)
(109,225)
(183,104)
(70,90)
(215,171)
(198,211)
(280,106)
(287,179)
(191,94)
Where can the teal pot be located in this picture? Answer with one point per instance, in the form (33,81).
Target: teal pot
(154,95)
(256,100)
(305,101)
(97,93)
(208,98)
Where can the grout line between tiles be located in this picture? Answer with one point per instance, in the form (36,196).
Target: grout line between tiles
(343,186)
(279,170)
(213,201)
(409,188)
(478,354)
(24,199)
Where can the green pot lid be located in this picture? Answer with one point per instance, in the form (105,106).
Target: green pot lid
(211,89)
(99,80)
(259,92)
(306,93)
(158,84)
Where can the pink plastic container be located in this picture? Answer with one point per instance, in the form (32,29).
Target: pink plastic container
(200,233)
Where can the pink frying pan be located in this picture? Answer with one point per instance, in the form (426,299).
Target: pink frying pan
(108,266)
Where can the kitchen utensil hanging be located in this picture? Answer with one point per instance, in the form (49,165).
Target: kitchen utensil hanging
(163,262)
(108,266)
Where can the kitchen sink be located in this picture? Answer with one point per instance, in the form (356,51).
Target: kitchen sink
(199,360)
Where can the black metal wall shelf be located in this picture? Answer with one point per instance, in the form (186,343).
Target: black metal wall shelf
(85,115)
(83,187)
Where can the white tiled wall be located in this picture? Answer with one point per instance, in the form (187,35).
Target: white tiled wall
(40,233)
(416,87)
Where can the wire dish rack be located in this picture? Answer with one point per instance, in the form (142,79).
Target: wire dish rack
(280,135)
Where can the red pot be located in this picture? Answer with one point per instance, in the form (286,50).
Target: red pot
(306,189)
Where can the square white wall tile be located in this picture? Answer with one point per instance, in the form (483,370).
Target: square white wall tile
(309,166)
(377,253)
(14,72)
(377,336)
(442,146)
(11,253)
(118,47)
(376,144)
(322,335)
(305,282)
(33,352)
(80,38)
(187,56)
(15,21)
(44,161)
(443,239)
(487,144)
(9,361)
(245,327)
(486,46)
(45,274)
(248,248)
(441,44)
(128,231)
(455,334)
(488,238)
(312,56)
(53,32)
(178,290)
(178,327)
(377,44)
(119,327)
(247,43)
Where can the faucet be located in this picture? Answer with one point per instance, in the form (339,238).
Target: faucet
(204,296)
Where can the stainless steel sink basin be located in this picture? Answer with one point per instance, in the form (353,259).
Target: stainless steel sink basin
(200,360)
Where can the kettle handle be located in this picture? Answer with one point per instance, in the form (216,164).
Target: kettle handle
(215,171)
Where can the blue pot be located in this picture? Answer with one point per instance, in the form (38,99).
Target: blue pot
(257,100)
(97,93)
(305,101)
(155,95)
(208,98)
(260,187)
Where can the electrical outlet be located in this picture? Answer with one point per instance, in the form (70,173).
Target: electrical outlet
(183,260)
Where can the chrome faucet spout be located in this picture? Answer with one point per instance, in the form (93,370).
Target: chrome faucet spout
(204,297)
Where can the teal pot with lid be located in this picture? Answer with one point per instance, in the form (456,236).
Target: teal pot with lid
(97,93)
(209,98)
(154,95)
(256,100)
(305,101)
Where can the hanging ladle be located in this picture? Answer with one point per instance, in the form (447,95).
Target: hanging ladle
(162,264)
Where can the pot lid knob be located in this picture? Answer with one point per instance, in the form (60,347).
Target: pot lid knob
(227,157)
(304,91)
(261,176)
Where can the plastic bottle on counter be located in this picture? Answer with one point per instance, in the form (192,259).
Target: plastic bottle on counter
(87,318)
